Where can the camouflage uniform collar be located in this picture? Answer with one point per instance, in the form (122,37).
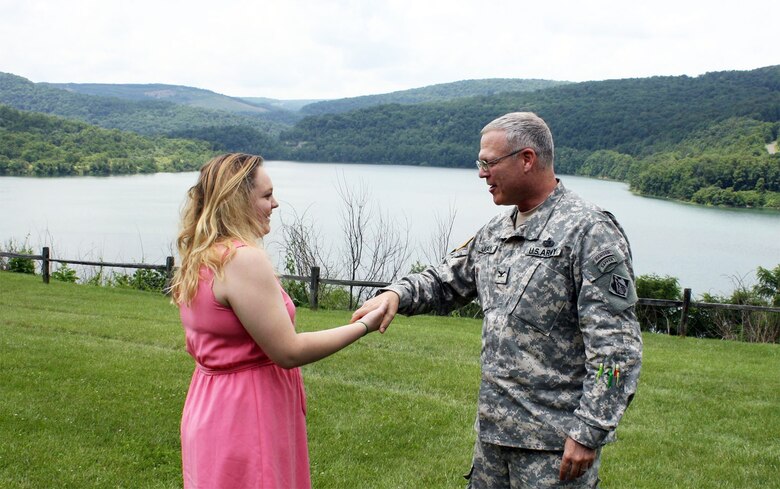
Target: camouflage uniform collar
(533,227)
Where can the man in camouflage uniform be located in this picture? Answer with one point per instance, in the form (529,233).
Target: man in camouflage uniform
(561,346)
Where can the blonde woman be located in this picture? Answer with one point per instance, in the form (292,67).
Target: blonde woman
(243,424)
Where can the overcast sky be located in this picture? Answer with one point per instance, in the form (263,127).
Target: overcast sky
(298,49)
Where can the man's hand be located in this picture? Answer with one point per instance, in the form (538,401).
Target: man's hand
(388,299)
(576,460)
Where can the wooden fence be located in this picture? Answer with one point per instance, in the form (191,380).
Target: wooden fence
(46,261)
(315,281)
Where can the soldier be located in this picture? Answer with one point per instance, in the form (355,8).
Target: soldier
(561,346)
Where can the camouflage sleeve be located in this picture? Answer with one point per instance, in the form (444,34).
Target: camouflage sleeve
(610,331)
(438,289)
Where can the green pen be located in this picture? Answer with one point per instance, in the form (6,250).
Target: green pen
(601,371)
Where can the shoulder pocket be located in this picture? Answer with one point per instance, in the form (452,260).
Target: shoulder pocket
(608,271)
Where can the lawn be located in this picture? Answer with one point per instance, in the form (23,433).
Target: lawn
(92,383)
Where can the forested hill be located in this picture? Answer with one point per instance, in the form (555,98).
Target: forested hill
(182,95)
(433,93)
(632,119)
(633,116)
(701,139)
(143,117)
(41,145)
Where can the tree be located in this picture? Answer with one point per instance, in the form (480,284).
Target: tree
(376,248)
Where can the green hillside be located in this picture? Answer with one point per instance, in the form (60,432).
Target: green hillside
(142,116)
(181,95)
(433,93)
(647,124)
(40,145)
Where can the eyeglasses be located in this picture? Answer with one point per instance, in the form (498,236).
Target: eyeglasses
(485,165)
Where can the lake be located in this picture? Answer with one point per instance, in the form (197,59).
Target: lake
(134,218)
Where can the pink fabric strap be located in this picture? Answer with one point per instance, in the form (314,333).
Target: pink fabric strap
(222,371)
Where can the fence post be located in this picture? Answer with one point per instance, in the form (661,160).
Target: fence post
(45,264)
(314,288)
(681,330)
(168,274)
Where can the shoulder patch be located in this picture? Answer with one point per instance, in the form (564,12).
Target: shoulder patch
(619,285)
(606,259)
(463,245)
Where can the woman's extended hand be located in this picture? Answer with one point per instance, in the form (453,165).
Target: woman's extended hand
(387,301)
(373,319)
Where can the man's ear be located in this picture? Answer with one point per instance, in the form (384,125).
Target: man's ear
(528,159)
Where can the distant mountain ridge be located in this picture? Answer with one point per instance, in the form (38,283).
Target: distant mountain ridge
(433,93)
(146,117)
(181,95)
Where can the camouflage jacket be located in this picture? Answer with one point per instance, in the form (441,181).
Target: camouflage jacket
(561,346)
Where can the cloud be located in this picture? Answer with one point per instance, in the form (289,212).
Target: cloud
(327,49)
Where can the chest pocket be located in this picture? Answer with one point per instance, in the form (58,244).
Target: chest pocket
(543,294)
(486,273)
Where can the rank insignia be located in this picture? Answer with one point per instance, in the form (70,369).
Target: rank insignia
(619,286)
(502,275)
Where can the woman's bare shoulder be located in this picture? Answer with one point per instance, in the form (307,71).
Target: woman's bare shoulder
(249,258)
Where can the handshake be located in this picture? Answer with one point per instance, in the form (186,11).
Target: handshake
(378,312)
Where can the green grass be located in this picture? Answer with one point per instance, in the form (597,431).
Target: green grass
(92,383)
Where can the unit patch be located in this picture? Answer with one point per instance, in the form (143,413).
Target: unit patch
(619,285)
(543,252)
(602,254)
(606,260)
(607,264)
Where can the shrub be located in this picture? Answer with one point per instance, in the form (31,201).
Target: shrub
(653,318)
(141,279)
(65,274)
(656,287)
(19,265)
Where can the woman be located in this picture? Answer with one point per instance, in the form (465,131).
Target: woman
(243,424)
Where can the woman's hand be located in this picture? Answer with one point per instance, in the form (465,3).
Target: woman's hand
(374,318)
(387,300)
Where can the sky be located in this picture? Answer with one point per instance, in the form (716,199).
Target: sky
(299,49)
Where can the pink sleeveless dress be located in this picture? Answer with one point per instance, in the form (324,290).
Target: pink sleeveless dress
(243,424)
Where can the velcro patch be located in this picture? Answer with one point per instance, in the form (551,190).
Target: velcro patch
(542,252)
(606,260)
(607,264)
(488,249)
(619,285)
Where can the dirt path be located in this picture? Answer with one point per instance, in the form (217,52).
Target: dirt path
(772,148)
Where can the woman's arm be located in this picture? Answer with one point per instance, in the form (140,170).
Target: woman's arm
(251,289)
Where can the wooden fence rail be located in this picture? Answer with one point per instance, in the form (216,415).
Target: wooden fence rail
(315,281)
(46,261)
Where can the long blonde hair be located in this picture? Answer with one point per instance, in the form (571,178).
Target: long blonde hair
(218,211)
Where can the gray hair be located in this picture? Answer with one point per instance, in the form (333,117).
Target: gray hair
(526,129)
